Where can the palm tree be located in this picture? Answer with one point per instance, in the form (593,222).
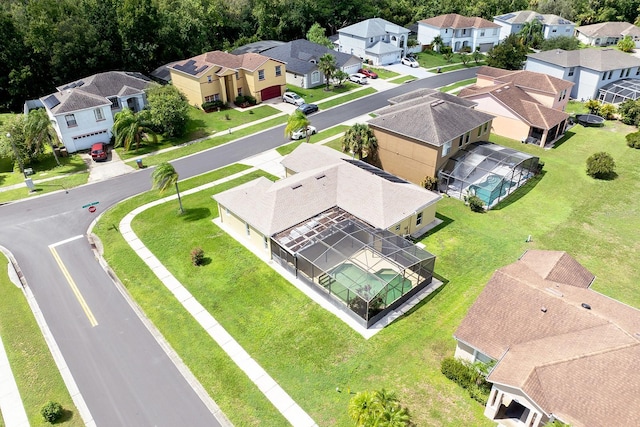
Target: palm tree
(359,139)
(38,130)
(362,409)
(129,128)
(297,120)
(437,43)
(164,176)
(327,66)
(532,33)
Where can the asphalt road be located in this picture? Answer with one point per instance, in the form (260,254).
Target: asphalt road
(124,375)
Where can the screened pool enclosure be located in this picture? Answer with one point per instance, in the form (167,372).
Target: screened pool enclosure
(486,170)
(367,271)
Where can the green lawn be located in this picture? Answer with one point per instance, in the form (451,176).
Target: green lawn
(63,183)
(36,373)
(459,66)
(383,73)
(45,167)
(457,85)
(313,95)
(328,133)
(402,79)
(348,97)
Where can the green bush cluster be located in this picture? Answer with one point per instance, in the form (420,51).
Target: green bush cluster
(633,139)
(245,99)
(600,165)
(213,105)
(476,204)
(51,411)
(430,183)
(467,376)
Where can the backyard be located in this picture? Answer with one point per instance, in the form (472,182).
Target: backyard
(595,221)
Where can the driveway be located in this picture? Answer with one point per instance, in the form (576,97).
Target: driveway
(419,72)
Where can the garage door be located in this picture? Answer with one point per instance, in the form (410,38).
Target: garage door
(351,69)
(485,47)
(270,92)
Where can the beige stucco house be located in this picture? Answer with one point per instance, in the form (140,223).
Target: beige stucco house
(527,106)
(562,350)
(421,130)
(221,76)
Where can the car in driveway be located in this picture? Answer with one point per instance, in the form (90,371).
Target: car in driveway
(409,61)
(99,152)
(301,133)
(358,78)
(369,73)
(308,108)
(292,98)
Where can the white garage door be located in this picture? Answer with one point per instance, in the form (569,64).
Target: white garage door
(351,69)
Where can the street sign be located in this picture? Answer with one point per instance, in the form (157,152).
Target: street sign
(92,209)
(90,204)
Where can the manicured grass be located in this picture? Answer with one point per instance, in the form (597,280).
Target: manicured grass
(459,66)
(402,79)
(345,98)
(46,167)
(459,84)
(35,371)
(383,73)
(336,130)
(576,107)
(63,183)
(313,95)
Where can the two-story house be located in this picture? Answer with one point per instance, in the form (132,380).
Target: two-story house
(459,32)
(221,76)
(607,33)
(82,112)
(552,25)
(593,71)
(376,40)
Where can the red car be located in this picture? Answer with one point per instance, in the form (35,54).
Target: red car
(368,73)
(99,152)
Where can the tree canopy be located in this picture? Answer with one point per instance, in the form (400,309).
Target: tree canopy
(510,54)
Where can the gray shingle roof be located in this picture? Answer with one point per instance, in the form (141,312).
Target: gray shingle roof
(257,47)
(298,55)
(523,16)
(594,59)
(373,27)
(609,29)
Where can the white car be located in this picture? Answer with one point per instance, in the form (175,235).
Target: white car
(292,98)
(358,78)
(411,62)
(300,133)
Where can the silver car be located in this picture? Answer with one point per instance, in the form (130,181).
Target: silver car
(292,98)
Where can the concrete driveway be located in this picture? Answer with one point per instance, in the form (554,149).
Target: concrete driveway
(419,72)
(113,166)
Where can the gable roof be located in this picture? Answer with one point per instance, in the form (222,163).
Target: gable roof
(609,29)
(373,27)
(594,59)
(429,118)
(453,20)
(221,63)
(361,191)
(257,47)
(523,16)
(525,79)
(574,362)
(93,91)
(299,54)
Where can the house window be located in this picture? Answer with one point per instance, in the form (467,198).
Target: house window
(554,29)
(237,75)
(247,229)
(480,131)
(209,79)
(446,31)
(638,72)
(464,32)
(71,120)
(260,74)
(621,73)
(239,91)
(446,148)
(99,115)
(211,98)
(398,227)
(627,73)
(604,75)
(115,104)
(278,70)
(419,219)
(571,71)
(371,40)
(266,242)
(315,77)
(486,126)
(610,74)
(495,31)
(466,137)
(460,140)
(482,33)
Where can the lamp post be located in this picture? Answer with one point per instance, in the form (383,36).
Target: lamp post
(16,153)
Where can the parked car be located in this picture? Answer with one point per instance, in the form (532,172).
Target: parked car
(370,74)
(411,62)
(358,78)
(99,152)
(292,98)
(308,108)
(301,133)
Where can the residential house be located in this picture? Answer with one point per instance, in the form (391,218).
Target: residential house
(561,350)
(375,40)
(221,76)
(528,106)
(607,33)
(337,224)
(302,56)
(552,25)
(591,70)
(421,130)
(82,112)
(459,32)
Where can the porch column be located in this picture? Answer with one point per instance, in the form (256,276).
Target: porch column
(493,404)
(543,140)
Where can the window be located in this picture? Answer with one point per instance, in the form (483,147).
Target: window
(115,104)
(627,73)
(237,75)
(278,70)
(486,126)
(554,29)
(495,31)
(446,31)
(211,98)
(419,219)
(247,229)
(446,148)
(371,40)
(260,74)
(398,227)
(71,120)
(638,72)
(466,137)
(266,242)
(315,77)
(480,131)
(621,73)
(464,32)
(482,33)
(99,115)
(604,75)
(571,71)
(610,74)
(209,79)
(460,140)
(239,91)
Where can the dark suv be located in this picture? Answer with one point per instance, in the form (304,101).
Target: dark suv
(99,152)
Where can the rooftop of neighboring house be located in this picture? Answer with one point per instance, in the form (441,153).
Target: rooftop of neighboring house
(609,29)
(429,116)
(302,56)
(594,59)
(570,349)
(524,16)
(257,47)
(455,21)
(93,91)
(221,62)
(524,79)
(373,27)
(325,179)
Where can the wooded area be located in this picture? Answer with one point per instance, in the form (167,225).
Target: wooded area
(46,43)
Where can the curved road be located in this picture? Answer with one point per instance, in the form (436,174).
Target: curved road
(124,375)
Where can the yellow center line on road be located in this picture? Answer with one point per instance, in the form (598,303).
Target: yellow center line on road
(74,288)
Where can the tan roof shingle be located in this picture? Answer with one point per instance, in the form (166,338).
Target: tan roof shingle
(453,20)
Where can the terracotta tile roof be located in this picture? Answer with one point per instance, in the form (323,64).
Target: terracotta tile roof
(574,362)
(453,20)
(220,62)
(526,79)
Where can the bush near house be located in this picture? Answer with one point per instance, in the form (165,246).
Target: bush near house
(475,203)
(467,376)
(210,106)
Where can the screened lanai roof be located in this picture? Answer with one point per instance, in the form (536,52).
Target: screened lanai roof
(620,91)
(364,259)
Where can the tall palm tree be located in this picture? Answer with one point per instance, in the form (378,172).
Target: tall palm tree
(297,120)
(164,176)
(327,66)
(532,33)
(437,43)
(360,139)
(38,130)
(130,128)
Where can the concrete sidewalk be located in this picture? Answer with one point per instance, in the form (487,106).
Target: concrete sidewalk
(11,406)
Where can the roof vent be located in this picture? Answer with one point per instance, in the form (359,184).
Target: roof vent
(585,305)
(543,309)
(438,102)
(296,186)
(320,176)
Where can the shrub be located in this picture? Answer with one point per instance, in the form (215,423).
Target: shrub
(593,105)
(197,256)
(465,49)
(607,111)
(629,112)
(213,105)
(456,371)
(600,165)
(239,100)
(633,139)
(476,204)
(51,411)
(540,166)
(471,377)
(250,99)
(430,183)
